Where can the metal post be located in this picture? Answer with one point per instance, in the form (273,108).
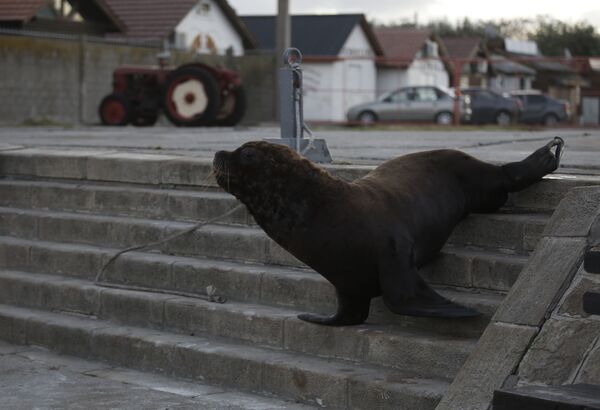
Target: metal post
(291,109)
(457,71)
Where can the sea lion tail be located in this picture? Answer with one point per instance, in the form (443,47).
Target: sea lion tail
(520,175)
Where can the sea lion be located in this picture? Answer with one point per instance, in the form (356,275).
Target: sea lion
(370,237)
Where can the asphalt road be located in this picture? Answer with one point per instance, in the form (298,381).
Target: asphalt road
(347,145)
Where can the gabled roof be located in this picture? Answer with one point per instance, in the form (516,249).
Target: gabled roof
(313,35)
(157,19)
(22,11)
(400,45)
(461,47)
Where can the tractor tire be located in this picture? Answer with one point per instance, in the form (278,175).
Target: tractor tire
(115,110)
(233,108)
(191,97)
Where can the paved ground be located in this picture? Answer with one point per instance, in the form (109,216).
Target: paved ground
(34,378)
(346,145)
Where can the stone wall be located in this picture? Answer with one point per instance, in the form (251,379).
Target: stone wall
(65,79)
(540,334)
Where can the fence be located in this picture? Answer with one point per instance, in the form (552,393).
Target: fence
(64,77)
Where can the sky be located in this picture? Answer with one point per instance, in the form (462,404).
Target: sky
(425,10)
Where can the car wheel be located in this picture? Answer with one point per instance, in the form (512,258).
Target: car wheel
(550,120)
(503,118)
(444,118)
(115,110)
(367,117)
(191,97)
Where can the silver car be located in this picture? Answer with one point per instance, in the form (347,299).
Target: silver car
(423,103)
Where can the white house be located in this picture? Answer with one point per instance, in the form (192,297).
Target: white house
(206,26)
(412,58)
(339,53)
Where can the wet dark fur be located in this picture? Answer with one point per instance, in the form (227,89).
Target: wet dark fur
(370,237)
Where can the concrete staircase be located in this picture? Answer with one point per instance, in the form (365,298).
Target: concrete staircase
(57,231)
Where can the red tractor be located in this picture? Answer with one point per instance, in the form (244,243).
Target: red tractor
(193,94)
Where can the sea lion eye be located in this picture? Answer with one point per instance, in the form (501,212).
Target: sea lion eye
(248,156)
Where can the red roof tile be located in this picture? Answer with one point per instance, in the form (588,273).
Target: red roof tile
(19,10)
(157,19)
(400,46)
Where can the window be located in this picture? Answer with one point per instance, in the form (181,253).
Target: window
(402,95)
(203,8)
(536,99)
(426,94)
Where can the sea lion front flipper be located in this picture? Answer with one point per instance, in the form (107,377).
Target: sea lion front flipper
(405,293)
(351,311)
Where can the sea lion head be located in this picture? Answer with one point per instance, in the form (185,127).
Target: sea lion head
(272,180)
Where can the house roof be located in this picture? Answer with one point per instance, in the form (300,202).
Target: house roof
(313,35)
(461,47)
(19,10)
(506,66)
(400,45)
(156,19)
(23,11)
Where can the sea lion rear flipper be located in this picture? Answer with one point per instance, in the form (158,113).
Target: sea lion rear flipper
(405,293)
(519,175)
(352,310)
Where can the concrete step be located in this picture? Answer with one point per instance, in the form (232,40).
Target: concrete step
(197,206)
(455,267)
(134,168)
(329,383)
(512,232)
(121,200)
(299,289)
(421,352)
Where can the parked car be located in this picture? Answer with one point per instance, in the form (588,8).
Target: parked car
(541,109)
(422,103)
(489,107)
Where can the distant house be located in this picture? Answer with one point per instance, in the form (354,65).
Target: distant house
(92,17)
(473,57)
(339,53)
(411,57)
(206,26)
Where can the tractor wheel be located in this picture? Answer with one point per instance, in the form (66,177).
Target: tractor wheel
(114,110)
(191,97)
(233,108)
(144,120)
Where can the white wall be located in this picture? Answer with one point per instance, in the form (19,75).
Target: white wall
(206,20)
(507,83)
(420,72)
(331,88)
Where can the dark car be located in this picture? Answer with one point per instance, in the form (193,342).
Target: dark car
(488,107)
(541,109)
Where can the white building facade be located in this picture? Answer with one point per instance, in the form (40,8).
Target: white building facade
(207,30)
(425,69)
(335,84)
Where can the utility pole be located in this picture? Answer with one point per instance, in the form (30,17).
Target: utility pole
(283,28)
(283,35)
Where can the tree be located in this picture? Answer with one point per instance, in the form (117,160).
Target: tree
(554,37)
